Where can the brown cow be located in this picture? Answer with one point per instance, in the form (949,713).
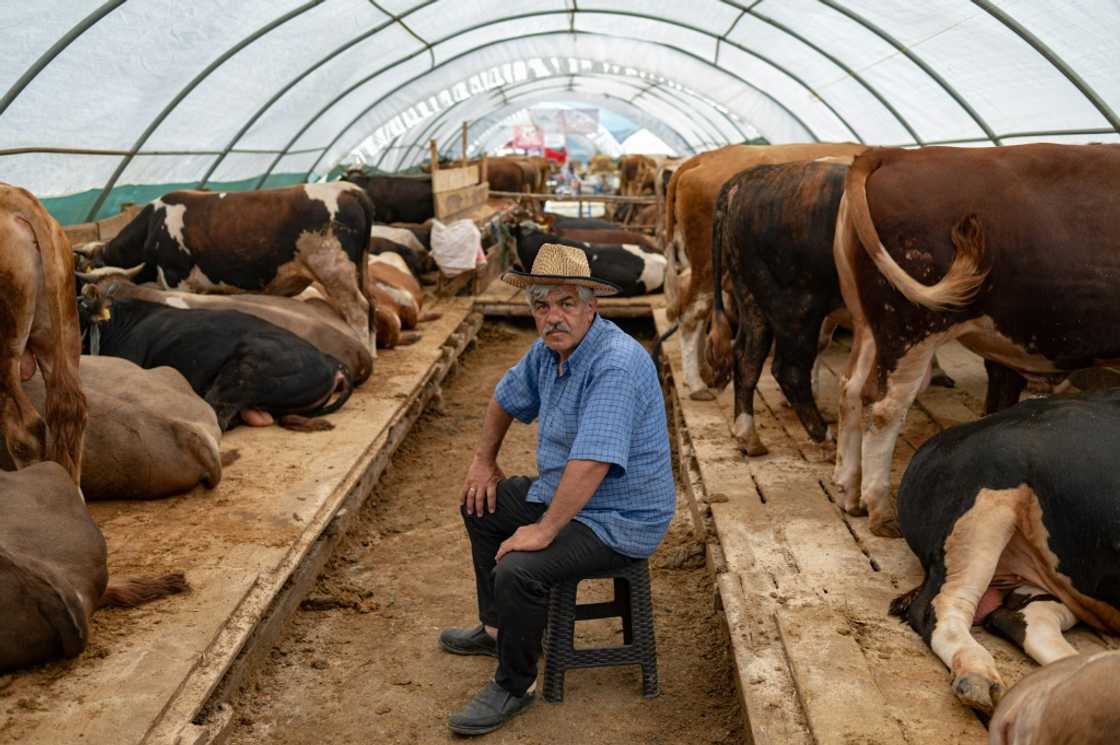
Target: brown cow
(39,325)
(275,241)
(689,205)
(1072,700)
(1011,250)
(149,434)
(53,571)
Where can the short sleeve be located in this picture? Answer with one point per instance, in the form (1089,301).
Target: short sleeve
(606,423)
(518,392)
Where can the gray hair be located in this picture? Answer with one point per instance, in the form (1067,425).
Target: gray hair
(540,292)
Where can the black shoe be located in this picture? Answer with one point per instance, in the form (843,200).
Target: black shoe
(468,641)
(491,707)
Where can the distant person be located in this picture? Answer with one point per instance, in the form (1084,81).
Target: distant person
(604,495)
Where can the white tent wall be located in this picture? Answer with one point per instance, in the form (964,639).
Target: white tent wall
(97,94)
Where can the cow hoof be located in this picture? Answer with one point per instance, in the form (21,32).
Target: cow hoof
(884,527)
(704,394)
(753,447)
(855,510)
(943,380)
(977,692)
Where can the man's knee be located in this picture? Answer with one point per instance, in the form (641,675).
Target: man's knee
(515,582)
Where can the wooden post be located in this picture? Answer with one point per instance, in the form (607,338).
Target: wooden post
(482,169)
(435,155)
(464,163)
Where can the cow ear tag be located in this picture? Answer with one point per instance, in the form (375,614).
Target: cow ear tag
(105,314)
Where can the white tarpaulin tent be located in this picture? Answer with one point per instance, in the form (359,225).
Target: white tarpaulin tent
(102,97)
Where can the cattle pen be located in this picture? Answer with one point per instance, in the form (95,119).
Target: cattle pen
(803,589)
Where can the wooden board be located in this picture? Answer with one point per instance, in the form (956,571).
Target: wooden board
(451,203)
(450,179)
(149,671)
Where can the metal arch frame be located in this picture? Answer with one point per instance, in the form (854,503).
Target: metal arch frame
(386,94)
(926,68)
(836,61)
(597,76)
(505,90)
(56,49)
(1052,57)
(522,101)
(412,80)
(155,123)
(494,124)
(705,132)
(369,33)
(683,141)
(398,20)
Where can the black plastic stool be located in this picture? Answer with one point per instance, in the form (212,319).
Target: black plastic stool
(631,603)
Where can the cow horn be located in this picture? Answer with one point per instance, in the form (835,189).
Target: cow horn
(90,248)
(109,271)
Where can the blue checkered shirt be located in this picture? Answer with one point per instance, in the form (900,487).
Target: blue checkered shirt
(606,407)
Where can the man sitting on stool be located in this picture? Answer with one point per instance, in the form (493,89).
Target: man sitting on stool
(605,492)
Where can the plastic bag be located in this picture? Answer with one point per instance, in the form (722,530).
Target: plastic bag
(457,246)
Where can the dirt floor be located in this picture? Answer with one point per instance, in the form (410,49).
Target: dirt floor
(360,663)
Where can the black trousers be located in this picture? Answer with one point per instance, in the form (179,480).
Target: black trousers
(513,594)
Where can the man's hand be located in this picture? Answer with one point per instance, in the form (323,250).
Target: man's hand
(533,537)
(481,487)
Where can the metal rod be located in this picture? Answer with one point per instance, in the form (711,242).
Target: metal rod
(56,49)
(1053,58)
(151,128)
(927,69)
(605,198)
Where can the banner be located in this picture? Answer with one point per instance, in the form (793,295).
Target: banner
(527,135)
(566,121)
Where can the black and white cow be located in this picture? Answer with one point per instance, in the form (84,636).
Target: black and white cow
(275,241)
(241,365)
(1016,522)
(635,270)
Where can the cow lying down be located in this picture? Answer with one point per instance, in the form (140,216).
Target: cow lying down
(1016,522)
(245,368)
(318,324)
(149,435)
(635,270)
(53,571)
(1069,701)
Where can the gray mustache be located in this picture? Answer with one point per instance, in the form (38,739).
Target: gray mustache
(558,326)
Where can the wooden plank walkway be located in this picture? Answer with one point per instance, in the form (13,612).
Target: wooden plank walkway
(806,588)
(245,546)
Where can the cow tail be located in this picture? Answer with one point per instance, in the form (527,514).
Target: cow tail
(719,337)
(669,248)
(135,591)
(66,407)
(363,264)
(967,272)
(343,397)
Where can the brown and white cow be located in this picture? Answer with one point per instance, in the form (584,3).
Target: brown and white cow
(53,571)
(1011,250)
(689,206)
(149,434)
(275,241)
(38,326)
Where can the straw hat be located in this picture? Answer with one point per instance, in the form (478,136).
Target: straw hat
(557,264)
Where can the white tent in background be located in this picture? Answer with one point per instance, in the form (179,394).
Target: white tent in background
(646,142)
